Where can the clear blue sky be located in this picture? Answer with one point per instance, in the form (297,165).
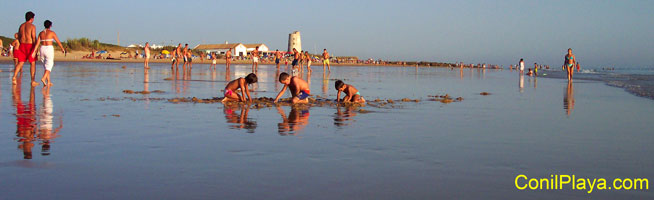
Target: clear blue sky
(601,33)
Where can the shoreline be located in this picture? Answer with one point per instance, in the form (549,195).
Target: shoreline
(220,61)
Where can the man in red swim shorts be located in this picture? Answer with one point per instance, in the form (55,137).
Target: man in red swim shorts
(27,38)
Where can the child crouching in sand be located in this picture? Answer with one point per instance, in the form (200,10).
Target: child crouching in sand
(242,84)
(299,88)
(351,93)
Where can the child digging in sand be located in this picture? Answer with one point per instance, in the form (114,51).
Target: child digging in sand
(299,88)
(242,84)
(351,93)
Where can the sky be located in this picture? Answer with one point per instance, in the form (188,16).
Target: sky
(601,33)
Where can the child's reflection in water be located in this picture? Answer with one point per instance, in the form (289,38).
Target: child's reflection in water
(296,121)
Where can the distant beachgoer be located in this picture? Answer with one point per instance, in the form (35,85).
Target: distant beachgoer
(185,56)
(570,62)
(146,50)
(176,55)
(14,49)
(299,88)
(47,37)
(307,57)
(529,73)
(522,66)
(278,55)
(296,59)
(242,84)
(189,58)
(213,60)
(27,38)
(578,67)
(228,58)
(351,93)
(535,69)
(255,59)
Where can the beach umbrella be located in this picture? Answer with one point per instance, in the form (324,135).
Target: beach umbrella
(165,52)
(101,52)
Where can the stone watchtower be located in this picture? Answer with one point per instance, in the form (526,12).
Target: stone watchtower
(294,41)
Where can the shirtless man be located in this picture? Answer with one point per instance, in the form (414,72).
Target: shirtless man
(278,57)
(27,38)
(255,59)
(296,59)
(184,53)
(146,50)
(228,58)
(325,60)
(299,88)
(176,54)
(307,58)
(189,57)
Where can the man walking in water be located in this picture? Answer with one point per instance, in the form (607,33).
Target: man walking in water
(176,53)
(184,53)
(228,58)
(278,57)
(325,60)
(296,59)
(146,50)
(521,66)
(27,38)
(570,62)
(255,59)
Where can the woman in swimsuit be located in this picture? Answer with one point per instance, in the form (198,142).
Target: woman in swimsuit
(45,39)
(570,63)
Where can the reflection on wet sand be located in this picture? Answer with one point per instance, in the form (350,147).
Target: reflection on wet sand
(46,133)
(521,83)
(296,121)
(569,99)
(325,83)
(25,120)
(344,118)
(28,129)
(241,120)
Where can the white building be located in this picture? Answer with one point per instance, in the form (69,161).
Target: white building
(250,47)
(294,41)
(238,49)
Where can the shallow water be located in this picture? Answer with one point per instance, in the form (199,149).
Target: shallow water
(103,145)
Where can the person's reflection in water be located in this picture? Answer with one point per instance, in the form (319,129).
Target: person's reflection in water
(241,120)
(296,121)
(344,118)
(461,73)
(228,76)
(275,78)
(146,85)
(46,134)
(569,99)
(535,82)
(325,83)
(25,120)
(521,83)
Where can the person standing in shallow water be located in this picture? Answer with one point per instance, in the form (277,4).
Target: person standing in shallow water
(228,58)
(569,63)
(27,38)
(146,51)
(45,39)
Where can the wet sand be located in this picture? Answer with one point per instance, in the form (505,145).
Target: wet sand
(408,142)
